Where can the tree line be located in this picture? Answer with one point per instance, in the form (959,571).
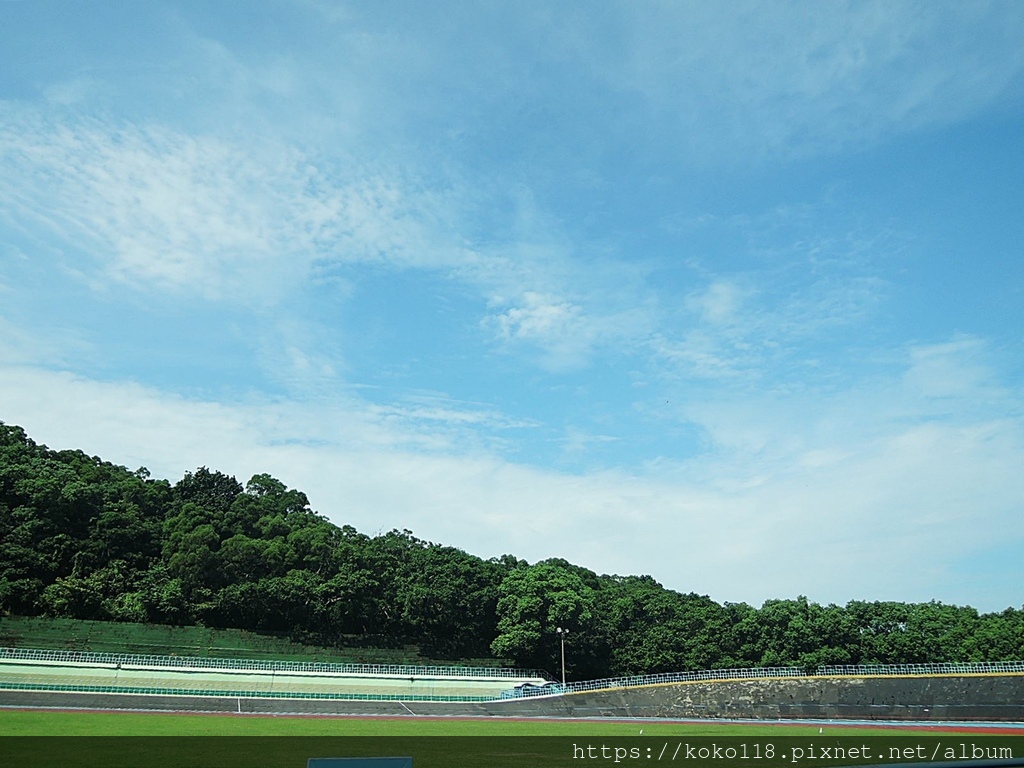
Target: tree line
(84,538)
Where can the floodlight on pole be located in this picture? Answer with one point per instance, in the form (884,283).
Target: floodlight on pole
(562,633)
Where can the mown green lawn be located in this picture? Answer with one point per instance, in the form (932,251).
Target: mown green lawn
(432,742)
(36,723)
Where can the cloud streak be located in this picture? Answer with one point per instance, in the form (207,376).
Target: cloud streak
(798,79)
(167,213)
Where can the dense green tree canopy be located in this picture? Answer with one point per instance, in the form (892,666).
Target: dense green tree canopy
(83,538)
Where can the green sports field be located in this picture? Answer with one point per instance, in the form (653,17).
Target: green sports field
(247,741)
(42,723)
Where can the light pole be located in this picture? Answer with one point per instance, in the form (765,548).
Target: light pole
(562,633)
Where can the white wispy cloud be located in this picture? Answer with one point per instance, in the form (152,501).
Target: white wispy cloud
(154,207)
(559,327)
(253,224)
(159,209)
(742,82)
(55,348)
(956,371)
(209,214)
(791,287)
(954,383)
(440,408)
(720,303)
(567,336)
(795,78)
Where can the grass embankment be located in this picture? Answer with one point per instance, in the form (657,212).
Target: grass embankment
(161,640)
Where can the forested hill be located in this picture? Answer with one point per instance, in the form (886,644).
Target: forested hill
(83,538)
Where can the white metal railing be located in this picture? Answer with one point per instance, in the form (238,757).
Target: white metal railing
(948,668)
(199,662)
(232,694)
(680,677)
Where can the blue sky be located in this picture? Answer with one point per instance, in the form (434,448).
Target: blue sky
(730,294)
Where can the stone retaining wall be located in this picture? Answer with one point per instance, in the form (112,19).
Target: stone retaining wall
(969,697)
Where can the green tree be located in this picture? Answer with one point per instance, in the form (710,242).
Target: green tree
(797,632)
(658,630)
(534,601)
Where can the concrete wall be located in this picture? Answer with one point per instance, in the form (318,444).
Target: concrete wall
(968,697)
(981,697)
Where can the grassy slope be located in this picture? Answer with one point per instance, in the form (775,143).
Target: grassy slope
(160,640)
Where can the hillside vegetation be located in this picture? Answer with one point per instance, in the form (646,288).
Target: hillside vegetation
(86,539)
(65,634)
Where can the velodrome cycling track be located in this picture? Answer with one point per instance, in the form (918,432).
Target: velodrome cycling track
(70,686)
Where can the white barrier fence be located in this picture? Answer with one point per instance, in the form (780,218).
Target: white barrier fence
(953,668)
(199,662)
